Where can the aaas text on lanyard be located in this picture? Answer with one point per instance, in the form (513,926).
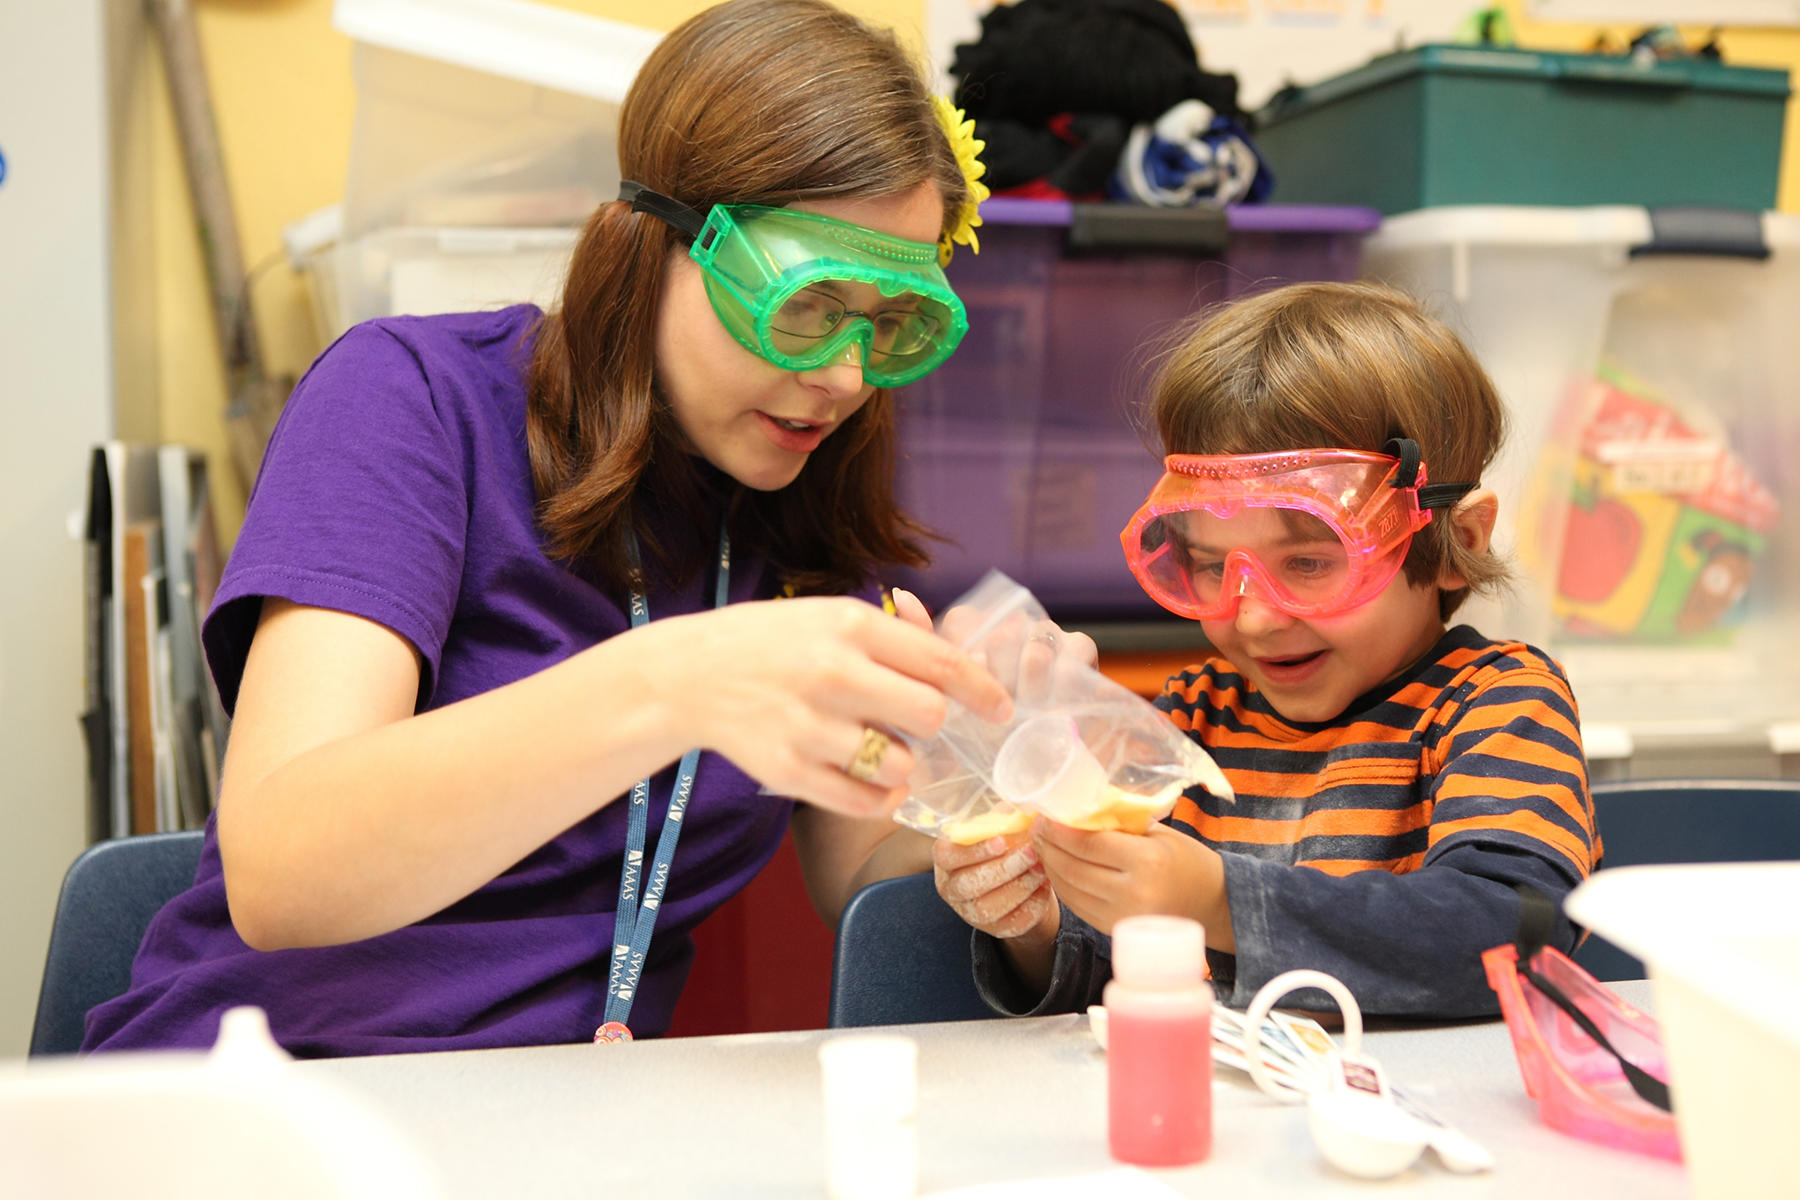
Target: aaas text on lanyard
(636,918)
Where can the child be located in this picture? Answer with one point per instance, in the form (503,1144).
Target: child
(1394,778)
(501,570)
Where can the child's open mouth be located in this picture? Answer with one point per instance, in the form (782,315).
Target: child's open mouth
(1288,665)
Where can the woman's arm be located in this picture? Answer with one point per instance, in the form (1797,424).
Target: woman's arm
(839,855)
(342,815)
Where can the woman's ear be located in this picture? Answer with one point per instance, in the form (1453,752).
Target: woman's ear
(1472,525)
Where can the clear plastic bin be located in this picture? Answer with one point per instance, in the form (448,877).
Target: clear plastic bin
(1026,448)
(485,133)
(1650,485)
(483,112)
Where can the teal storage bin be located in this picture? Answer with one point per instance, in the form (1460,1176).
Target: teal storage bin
(1439,125)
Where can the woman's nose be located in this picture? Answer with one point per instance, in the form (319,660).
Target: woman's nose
(842,376)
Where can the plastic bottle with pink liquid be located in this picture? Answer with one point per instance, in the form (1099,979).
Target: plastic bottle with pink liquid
(1159,1043)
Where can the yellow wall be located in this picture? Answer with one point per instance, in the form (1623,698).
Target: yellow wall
(281,88)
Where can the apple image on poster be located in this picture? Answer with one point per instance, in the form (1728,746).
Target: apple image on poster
(1600,542)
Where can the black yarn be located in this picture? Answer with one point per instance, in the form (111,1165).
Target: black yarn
(1074,156)
(1131,59)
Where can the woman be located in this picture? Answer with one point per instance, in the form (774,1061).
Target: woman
(521,597)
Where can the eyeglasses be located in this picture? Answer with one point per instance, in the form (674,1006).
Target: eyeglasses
(812,313)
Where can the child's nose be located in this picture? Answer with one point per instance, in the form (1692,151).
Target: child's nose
(1257,616)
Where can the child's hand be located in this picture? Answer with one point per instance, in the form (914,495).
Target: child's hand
(1104,877)
(997,886)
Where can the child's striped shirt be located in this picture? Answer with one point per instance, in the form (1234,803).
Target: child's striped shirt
(1411,816)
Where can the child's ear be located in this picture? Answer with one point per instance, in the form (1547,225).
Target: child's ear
(1472,525)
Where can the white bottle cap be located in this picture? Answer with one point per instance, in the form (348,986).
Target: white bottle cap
(1158,950)
(871,1116)
(244,1040)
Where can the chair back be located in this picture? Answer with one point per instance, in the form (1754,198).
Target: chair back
(108,897)
(1645,821)
(902,958)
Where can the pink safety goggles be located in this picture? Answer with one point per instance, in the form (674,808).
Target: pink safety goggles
(1312,532)
(1594,1064)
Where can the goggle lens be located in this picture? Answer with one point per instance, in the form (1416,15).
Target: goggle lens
(1202,565)
(1313,533)
(902,329)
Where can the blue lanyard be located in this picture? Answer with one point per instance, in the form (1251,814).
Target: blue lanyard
(636,919)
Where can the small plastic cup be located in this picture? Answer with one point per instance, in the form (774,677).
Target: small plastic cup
(871,1096)
(1044,765)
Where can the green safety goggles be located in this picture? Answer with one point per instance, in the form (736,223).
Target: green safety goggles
(799,289)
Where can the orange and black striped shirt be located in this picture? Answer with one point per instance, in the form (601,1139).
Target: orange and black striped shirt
(1383,846)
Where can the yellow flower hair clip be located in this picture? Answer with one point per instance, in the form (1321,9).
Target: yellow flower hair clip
(967,146)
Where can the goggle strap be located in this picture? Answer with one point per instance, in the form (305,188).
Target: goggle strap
(1432,495)
(642,199)
(1407,451)
(1443,495)
(1536,916)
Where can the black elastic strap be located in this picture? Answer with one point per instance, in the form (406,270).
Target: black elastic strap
(1443,495)
(1537,916)
(1432,495)
(689,220)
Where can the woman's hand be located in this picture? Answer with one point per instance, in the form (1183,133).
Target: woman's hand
(789,690)
(1104,877)
(1025,657)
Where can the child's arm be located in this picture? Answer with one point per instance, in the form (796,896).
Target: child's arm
(1058,963)
(1509,805)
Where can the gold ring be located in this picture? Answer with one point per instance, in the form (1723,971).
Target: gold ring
(869,753)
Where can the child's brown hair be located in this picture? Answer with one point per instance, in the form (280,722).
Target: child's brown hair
(1342,365)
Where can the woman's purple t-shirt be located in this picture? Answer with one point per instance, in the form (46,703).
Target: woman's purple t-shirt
(397,487)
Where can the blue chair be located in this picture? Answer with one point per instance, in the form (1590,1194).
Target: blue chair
(902,958)
(1644,821)
(108,897)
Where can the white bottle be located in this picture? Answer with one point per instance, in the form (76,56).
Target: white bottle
(1159,1043)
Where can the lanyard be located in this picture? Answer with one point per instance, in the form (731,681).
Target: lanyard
(636,918)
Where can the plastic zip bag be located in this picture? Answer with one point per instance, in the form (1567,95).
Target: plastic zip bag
(1080,748)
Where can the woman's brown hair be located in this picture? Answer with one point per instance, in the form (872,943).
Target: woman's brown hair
(752,101)
(1343,365)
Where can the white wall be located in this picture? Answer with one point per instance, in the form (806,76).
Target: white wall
(73,80)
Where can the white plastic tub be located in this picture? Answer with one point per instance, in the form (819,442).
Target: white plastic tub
(423,271)
(1723,955)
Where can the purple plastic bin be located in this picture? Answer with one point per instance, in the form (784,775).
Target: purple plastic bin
(1026,449)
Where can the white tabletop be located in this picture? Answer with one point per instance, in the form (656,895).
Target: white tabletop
(999,1101)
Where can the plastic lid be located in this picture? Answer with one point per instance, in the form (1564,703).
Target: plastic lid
(570,52)
(1158,950)
(870,1073)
